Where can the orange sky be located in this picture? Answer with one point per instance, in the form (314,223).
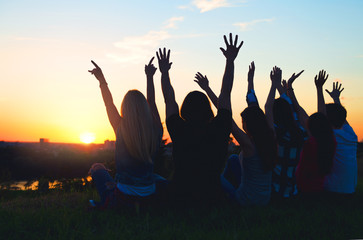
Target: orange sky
(46,48)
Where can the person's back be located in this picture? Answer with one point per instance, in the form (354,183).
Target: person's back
(255,187)
(200,140)
(199,153)
(343,177)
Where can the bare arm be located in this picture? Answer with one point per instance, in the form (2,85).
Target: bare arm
(150,92)
(301,113)
(230,53)
(241,137)
(112,113)
(171,105)
(319,82)
(251,97)
(203,83)
(335,94)
(275,76)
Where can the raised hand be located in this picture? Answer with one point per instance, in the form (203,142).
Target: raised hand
(292,78)
(150,68)
(335,93)
(321,79)
(275,76)
(163,59)
(97,72)
(284,84)
(231,50)
(251,71)
(202,81)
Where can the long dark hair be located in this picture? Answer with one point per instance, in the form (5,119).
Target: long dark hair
(196,108)
(285,122)
(320,128)
(257,128)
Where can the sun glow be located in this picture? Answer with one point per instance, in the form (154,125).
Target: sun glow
(87,137)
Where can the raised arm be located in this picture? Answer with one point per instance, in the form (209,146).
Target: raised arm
(168,91)
(335,93)
(319,82)
(112,113)
(301,113)
(251,96)
(240,136)
(204,84)
(150,92)
(230,53)
(275,76)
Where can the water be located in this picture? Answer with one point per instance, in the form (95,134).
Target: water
(33,185)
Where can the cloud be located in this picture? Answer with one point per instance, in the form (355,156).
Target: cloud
(134,49)
(171,23)
(244,26)
(359,56)
(208,5)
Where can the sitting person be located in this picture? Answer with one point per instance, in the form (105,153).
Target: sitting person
(316,159)
(343,177)
(200,139)
(290,136)
(247,177)
(138,131)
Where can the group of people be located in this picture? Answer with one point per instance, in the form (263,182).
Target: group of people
(284,152)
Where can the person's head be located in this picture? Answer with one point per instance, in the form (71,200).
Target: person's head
(284,119)
(336,114)
(282,113)
(257,128)
(320,128)
(196,108)
(137,126)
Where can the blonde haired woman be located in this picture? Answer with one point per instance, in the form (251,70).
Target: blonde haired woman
(138,131)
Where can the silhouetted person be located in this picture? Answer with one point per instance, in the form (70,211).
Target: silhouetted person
(138,131)
(343,176)
(247,177)
(200,139)
(317,155)
(289,134)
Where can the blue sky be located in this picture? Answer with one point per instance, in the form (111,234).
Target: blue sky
(46,48)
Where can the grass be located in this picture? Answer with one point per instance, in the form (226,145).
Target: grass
(61,214)
(64,215)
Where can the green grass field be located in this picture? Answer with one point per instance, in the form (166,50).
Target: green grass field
(64,215)
(60,214)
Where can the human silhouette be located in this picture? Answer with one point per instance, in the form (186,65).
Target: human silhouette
(138,131)
(289,132)
(200,139)
(318,151)
(247,177)
(343,177)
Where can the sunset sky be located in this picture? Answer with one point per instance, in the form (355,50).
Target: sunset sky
(46,48)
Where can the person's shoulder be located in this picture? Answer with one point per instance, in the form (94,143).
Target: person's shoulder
(174,117)
(347,132)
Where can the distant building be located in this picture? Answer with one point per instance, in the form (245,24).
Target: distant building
(109,144)
(43,140)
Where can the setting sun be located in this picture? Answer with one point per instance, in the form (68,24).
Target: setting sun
(87,137)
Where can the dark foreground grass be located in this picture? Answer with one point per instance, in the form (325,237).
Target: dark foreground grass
(64,215)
